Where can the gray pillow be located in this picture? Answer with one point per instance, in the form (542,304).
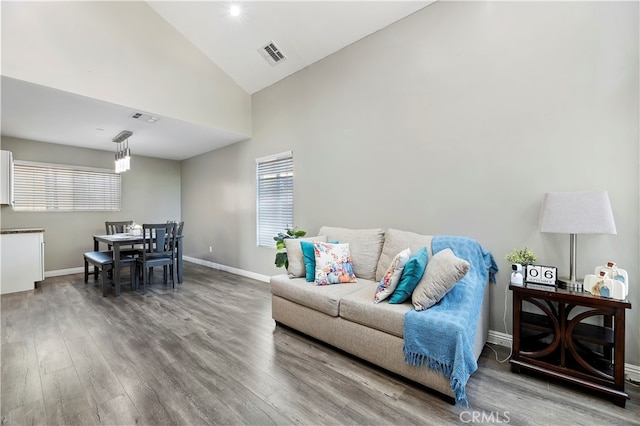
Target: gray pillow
(295,257)
(443,271)
(395,241)
(365,246)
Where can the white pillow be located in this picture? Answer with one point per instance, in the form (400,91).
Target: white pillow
(333,264)
(390,279)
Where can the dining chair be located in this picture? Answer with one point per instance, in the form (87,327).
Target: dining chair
(158,249)
(179,228)
(119,227)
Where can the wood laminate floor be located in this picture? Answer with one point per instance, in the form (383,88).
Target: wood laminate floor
(209,353)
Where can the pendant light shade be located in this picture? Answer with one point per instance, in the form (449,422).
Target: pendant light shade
(123,153)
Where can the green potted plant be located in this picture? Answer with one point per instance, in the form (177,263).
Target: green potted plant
(281,256)
(523,257)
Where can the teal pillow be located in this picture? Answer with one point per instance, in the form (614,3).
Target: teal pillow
(310,259)
(411,275)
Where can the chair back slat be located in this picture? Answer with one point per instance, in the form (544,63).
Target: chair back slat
(159,240)
(179,226)
(117,227)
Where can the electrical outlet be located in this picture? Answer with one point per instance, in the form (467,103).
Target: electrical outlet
(210,249)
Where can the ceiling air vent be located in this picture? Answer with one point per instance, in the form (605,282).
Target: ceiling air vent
(272,54)
(144,117)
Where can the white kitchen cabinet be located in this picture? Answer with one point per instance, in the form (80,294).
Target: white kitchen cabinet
(21,259)
(6,177)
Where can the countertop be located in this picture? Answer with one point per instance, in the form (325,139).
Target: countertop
(20,230)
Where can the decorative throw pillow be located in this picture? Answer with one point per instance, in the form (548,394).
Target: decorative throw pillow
(309,256)
(295,257)
(443,271)
(390,279)
(411,275)
(333,264)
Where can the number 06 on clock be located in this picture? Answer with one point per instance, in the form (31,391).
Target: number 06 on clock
(542,274)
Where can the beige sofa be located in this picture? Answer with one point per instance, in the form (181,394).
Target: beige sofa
(344,315)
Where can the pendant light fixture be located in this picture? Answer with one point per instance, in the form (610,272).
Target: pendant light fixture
(123,154)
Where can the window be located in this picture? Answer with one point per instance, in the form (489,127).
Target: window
(274,177)
(42,187)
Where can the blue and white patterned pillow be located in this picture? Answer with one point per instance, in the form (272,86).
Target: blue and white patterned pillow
(333,264)
(391,278)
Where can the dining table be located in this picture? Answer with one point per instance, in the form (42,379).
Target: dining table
(127,239)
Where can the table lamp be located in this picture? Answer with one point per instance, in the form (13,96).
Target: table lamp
(585,212)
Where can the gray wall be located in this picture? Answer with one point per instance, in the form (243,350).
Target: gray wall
(150,193)
(455,120)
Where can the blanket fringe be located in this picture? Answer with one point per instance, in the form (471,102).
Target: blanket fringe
(421,360)
(459,390)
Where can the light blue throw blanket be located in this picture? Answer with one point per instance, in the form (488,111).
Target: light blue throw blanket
(441,338)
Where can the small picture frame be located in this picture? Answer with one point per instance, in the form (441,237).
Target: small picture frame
(540,274)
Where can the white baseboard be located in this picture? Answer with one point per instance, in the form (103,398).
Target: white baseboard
(60,272)
(236,271)
(212,265)
(632,372)
(500,339)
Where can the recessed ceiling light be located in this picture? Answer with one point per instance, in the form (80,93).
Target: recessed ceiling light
(234,10)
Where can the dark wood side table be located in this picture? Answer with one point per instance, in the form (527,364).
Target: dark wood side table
(570,335)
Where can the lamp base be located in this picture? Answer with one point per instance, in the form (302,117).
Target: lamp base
(567,284)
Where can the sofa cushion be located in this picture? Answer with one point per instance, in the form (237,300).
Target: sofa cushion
(411,275)
(395,241)
(365,245)
(295,256)
(360,308)
(390,280)
(443,271)
(325,299)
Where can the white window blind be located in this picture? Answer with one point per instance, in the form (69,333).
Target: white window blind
(275,196)
(46,187)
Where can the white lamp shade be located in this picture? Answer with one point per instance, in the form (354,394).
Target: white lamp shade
(586,212)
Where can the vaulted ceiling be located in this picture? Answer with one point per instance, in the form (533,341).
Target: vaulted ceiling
(303,32)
